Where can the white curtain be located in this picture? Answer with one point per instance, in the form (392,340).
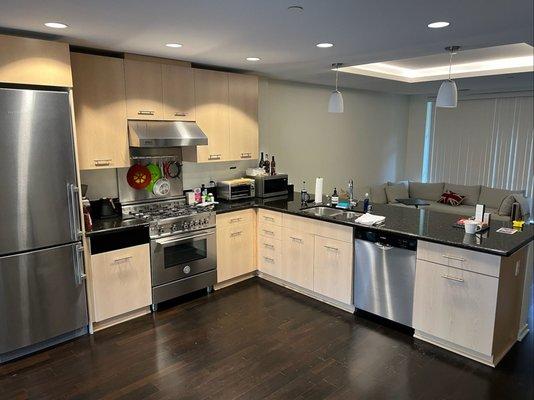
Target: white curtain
(484,142)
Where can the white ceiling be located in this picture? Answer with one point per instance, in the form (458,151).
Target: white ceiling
(225,32)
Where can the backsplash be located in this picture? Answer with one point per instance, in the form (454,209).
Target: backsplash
(103,183)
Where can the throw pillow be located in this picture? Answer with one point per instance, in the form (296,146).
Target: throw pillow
(451,198)
(506,205)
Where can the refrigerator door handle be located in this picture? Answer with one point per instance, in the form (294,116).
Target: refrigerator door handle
(72,191)
(79,274)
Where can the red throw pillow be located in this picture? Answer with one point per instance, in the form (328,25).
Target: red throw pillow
(451,198)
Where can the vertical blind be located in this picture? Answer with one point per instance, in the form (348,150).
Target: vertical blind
(484,142)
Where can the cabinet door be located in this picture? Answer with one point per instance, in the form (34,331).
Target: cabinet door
(144,89)
(212,115)
(243,99)
(332,269)
(455,305)
(121,281)
(178,93)
(235,251)
(297,251)
(100,111)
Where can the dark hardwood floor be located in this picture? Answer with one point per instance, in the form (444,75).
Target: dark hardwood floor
(256,340)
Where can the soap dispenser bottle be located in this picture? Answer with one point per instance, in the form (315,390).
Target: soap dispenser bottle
(335,198)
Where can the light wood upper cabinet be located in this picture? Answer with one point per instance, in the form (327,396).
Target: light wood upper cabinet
(100,111)
(235,245)
(243,100)
(34,62)
(212,115)
(121,281)
(144,89)
(178,93)
(297,251)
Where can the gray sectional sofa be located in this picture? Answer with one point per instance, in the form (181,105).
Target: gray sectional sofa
(498,202)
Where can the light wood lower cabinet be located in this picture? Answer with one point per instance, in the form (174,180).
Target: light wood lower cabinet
(332,269)
(298,257)
(121,281)
(100,111)
(270,256)
(235,245)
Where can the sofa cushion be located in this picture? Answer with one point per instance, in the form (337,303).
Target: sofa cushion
(378,194)
(493,198)
(398,191)
(523,205)
(451,198)
(471,193)
(426,191)
(461,210)
(405,183)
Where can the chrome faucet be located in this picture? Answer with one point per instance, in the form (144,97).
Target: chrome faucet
(350,191)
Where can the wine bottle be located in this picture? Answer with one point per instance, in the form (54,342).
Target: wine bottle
(273,166)
(267,164)
(260,165)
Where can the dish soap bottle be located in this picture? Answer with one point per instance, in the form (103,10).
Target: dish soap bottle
(366,203)
(335,198)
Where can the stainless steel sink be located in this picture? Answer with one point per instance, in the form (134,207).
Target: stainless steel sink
(321,211)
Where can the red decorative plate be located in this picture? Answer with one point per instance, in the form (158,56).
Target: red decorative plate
(138,176)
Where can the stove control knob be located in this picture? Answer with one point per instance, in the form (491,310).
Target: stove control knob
(175,227)
(161,230)
(194,223)
(206,221)
(186,225)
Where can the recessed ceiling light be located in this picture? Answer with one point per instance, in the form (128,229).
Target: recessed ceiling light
(295,9)
(324,45)
(56,25)
(174,45)
(439,24)
(253,59)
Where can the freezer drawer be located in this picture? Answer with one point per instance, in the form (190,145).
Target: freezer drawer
(42,295)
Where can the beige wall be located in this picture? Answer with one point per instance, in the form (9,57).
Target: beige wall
(366,143)
(415,138)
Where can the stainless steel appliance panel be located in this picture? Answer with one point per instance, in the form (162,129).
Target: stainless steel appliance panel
(384,280)
(180,287)
(181,256)
(38,200)
(42,295)
(271,185)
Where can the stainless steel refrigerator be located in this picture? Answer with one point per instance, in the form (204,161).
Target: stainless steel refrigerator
(42,286)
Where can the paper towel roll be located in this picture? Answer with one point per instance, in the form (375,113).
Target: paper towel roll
(318,190)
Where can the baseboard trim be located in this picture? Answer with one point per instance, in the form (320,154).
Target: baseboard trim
(342,306)
(523,332)
(235,280)
(97,326)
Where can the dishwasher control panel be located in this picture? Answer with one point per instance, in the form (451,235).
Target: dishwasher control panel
(390,239)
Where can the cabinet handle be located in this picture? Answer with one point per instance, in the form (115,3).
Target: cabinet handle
(268,259)
(214,157)
(238,233)
(268,232)
(122,259)
(461,259)
(268,218)
(246,155)
(102,161)
(269,246)
(452,278)
(296,239)
(142,112)
(180,114)
(235,220)
(331,248)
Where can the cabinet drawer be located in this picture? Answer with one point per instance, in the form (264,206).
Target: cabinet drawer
(269,230)
(234,218)
(319,228)
(121,281)
(270,256)
(468,260)
(455,305)
(332,269)
(271,217)
(269,245)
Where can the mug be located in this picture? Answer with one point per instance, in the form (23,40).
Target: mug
(470,226)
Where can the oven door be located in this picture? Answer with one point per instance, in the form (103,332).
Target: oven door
(243,191)
(182,256)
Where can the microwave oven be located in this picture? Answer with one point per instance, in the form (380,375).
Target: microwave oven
(271,185)
(243,188)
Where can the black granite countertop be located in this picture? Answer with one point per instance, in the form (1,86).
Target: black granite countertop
(107,225)
(420,223)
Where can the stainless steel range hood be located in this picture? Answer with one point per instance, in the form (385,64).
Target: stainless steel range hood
(164,134)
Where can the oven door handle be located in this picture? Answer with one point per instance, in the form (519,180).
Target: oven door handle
(167,242)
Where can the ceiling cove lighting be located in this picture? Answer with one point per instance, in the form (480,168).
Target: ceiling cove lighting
(253,59)
(448,92)
(439,24)
(496,60)
(174,45)
(56,25)
(324,45)
(335,104)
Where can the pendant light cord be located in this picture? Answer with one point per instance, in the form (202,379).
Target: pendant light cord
(337,73)
(450,64)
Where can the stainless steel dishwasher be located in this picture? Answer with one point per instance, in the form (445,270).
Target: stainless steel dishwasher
(384,274)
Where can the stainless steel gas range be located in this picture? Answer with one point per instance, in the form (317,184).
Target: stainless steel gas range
(183,253)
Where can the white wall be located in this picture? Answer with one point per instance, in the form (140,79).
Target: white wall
(367,142)
(415,138)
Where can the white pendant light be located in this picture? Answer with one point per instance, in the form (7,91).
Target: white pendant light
(335,104)
(448,91)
